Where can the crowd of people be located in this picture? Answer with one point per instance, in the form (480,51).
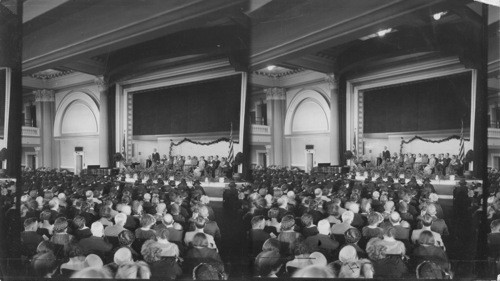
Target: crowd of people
(212,166)
(442,164)
(298,225)
(100,227)
(301,225)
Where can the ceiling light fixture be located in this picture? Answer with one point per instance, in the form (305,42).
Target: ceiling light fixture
(271,67)
(437,16)
(383,32)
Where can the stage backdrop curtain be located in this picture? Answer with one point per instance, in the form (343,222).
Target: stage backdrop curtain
(199,107)
(435,104)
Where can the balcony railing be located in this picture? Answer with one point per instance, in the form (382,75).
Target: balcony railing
(261,129)
(30,132)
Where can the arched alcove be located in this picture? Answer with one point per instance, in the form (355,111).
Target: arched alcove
(77,114)
(308,112)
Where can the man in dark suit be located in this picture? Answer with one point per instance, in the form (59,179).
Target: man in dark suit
(257,236)
(29,238)
(322,242)
(386,154)
(155,157)
(96,244)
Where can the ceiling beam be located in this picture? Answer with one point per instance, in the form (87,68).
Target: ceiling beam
(311,62)
(292,35)
(88,66)
(90,32)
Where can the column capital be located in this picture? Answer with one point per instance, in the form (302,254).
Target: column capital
(332,80)
(44,95)
(101,82)
(275,93)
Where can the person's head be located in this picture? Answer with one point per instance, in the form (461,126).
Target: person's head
(352,235)
(44,247)
(60,225)
(306,219)
(376,252)
(267,263)
(431,209)
(273,213)
(97,229)
(495,226)
(30,224)
(126,237)
(426,238)
(429,270)
(389,206)
(258,222)
(324,227)
(347,217)
(389,231)
(163,234)
(54,204)
(45,215)
(127,210)
(200,222)
(354,207)
(93,273)
(348,254)
(200,240)
(44,264)
(209,271)
(74,250)
(314,272)
(122,255)
(271,244)
(120,219)
(373,218)
(79,222)
(147,221)
(427,220)
(287,223)
(203,211)
(394,218)
(133,270)
(301,249)
(93,260)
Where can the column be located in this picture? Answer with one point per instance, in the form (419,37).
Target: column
(103,122)
(45,110)
(276,106)
(333,84)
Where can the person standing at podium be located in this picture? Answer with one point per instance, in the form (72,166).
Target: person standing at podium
(155,157)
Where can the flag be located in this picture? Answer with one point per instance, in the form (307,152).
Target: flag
(230,158)
(461,151)
(354,144)
(123,146)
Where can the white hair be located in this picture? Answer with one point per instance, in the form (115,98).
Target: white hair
(97,229)
(123,255)
(347,216)
(121,219)
(324,227)
(127,210)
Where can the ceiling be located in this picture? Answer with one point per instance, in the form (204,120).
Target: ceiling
(93,36)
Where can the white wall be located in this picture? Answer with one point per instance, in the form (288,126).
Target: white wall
(321,149)
(90,152)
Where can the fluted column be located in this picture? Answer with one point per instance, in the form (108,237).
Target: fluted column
(333,84)
(103,121)
(45,111)
(276,107)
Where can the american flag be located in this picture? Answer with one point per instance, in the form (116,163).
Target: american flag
(461,152)
(230,158)
(123,146)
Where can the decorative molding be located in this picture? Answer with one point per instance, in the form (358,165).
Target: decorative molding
(57,74)
(333,81)
(129,129)
(44,95)
(102,83)
(307,94)
(279,75)
(275,93)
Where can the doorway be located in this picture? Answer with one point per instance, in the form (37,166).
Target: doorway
(309,161)
(262,159)
(78,163)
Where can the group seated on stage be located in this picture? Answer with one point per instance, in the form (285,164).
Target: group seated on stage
(98,227)
(188,166)
(302,225)
(442,165)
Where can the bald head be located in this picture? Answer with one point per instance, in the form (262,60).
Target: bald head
(122,256)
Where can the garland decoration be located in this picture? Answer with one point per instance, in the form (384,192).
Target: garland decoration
(172,144)
(403,142)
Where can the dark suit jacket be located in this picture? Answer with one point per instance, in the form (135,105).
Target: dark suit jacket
(212,228)
(324,244)
(386,154)
(257,239)
(155,157)
(95,245)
